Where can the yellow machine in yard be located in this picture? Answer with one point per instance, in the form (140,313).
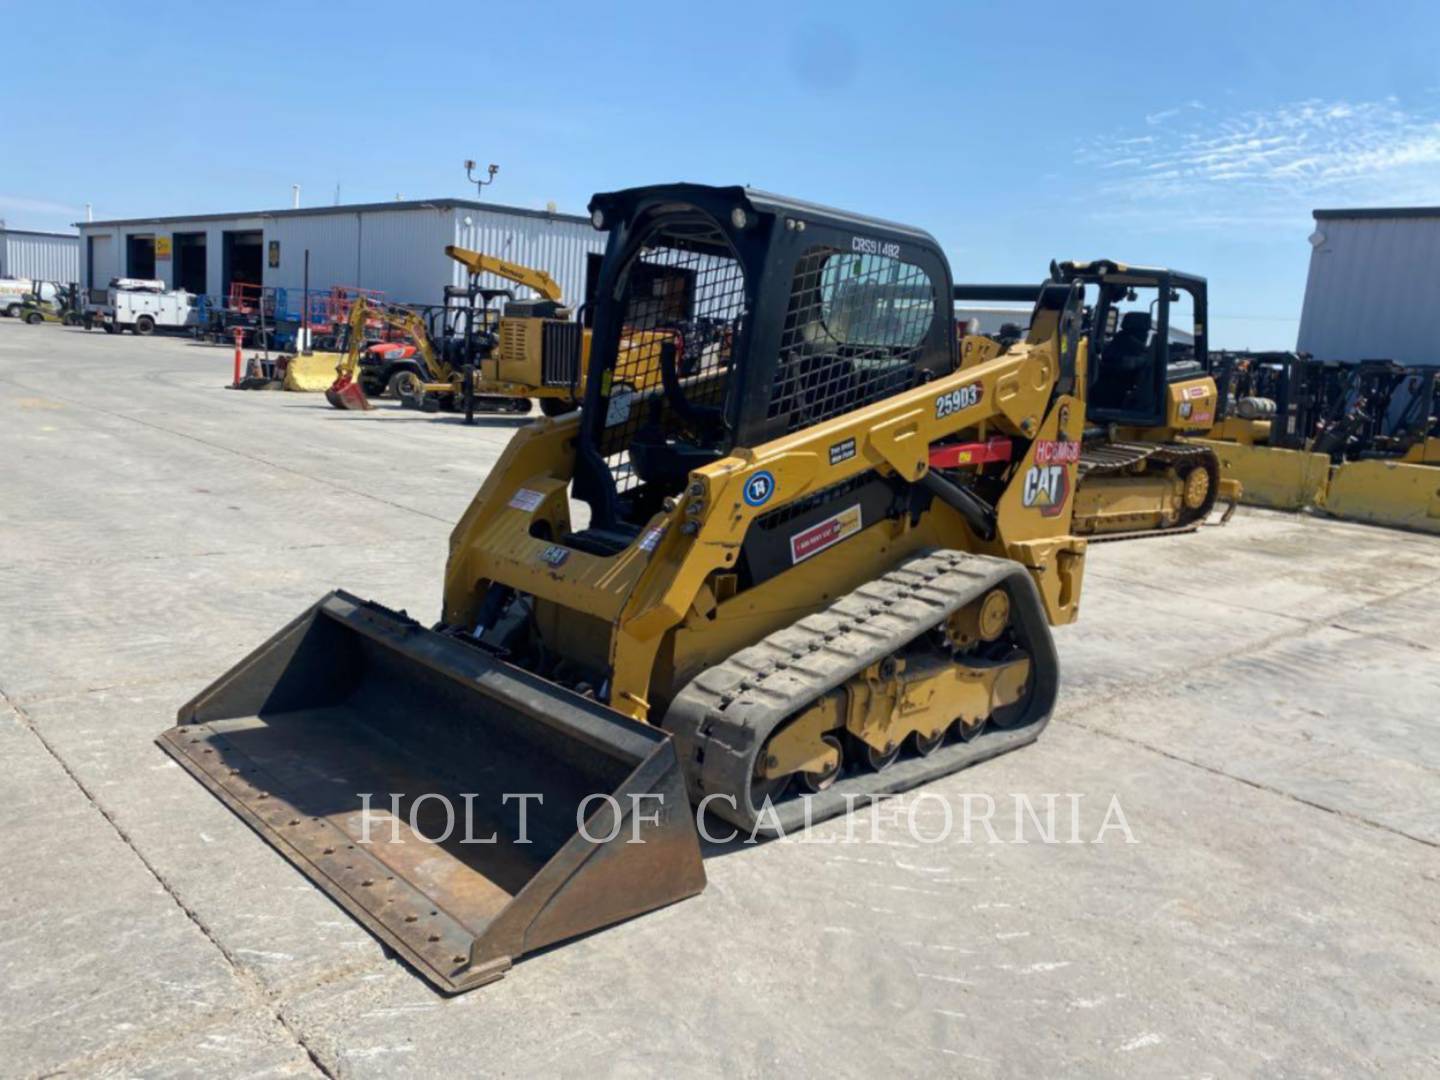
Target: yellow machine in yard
(347,392)
(1357,441)
(1263,429)
(534,348)
(479,358)
(1381,431)
(819,561)
(1147,385)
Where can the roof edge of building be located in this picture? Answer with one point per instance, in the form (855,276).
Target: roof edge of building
(1378,212)
(343,208)
(10,231)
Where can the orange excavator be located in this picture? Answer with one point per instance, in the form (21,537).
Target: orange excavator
(346,392)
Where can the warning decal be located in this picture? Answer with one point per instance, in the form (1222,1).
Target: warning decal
(527,499)
(826,534)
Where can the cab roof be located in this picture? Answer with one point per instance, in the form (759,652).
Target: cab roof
(626,202)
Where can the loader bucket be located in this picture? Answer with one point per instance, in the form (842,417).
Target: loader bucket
(1270,476)
(1393,493)
(307,374)
(346,393)
(377,756)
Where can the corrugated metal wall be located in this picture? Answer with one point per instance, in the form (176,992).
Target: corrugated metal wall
(40,256)
(1372,290)
(559,246)
(334,243)
(400,252)
(403,252)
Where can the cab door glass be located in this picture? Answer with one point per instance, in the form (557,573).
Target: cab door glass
(1124,364)
(1182,333)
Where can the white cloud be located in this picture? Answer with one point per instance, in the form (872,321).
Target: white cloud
(1267,165)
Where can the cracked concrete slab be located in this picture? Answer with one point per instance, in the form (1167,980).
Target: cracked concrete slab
(93,950)
(1235,911)
(270,920)
(1364,745)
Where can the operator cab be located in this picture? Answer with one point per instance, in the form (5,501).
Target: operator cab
(1146,330)
(727,317)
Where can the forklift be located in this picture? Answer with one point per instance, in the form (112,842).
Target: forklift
(64,309)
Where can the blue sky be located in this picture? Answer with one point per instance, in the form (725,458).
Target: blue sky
(1198,135)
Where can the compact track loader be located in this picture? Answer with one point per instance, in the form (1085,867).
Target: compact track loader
(1147,384)
(812,560)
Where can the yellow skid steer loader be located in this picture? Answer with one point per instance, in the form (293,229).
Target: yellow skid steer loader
(820,562)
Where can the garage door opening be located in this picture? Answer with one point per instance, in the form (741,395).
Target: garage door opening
(189,256)
(140,256)
(243,259)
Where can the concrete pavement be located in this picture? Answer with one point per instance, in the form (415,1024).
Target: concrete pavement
(1260,699)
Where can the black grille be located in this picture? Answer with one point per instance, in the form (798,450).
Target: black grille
(686,292)
(854,333)
(560,353)
(790,511)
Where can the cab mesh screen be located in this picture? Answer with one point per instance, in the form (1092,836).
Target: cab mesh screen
(686,292)
(854,333)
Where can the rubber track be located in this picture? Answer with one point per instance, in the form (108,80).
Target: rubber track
(723,717)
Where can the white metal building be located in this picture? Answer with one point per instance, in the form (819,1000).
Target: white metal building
(1374,287)
(40,256)
(395,247)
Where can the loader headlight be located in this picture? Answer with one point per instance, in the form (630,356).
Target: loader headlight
(738,218)
(597,218)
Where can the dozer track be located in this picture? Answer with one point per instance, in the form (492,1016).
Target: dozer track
(722,720)
(1099,460)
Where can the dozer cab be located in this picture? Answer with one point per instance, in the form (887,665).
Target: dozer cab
(1148,384)
(787,555)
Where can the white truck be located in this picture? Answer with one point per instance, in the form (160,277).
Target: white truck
(141,306)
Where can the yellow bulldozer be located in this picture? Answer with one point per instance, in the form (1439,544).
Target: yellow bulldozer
(788,554)
(1173,427)
(1148,386)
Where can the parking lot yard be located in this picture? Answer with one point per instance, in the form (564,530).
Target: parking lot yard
(1259,700)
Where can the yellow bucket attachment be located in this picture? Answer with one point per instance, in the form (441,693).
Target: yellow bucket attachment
(463,810)
(311,374)
(1269,476)
(1385,493)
